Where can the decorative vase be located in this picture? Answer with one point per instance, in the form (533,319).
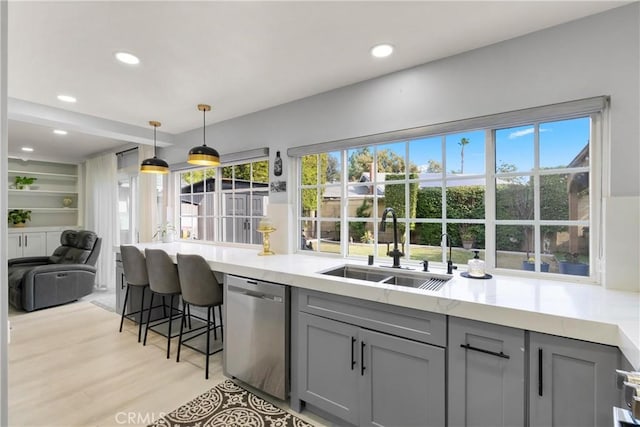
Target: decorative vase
(530,266)
(167,237)
(574,268)
(20,224)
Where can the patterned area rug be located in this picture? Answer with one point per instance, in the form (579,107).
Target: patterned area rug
(228,405)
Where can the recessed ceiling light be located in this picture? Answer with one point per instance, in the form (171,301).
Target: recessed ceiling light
(60,132)
(382,50)
(127,58)
(66,98)
(27,149)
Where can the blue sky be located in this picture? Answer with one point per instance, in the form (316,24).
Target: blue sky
(560,142)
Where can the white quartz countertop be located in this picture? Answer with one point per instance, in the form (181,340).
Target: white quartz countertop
(580,311)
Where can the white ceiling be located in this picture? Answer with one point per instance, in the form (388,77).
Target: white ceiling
(238,56)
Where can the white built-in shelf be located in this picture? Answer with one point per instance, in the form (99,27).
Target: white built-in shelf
(47,210)
(41,192)
(49,174)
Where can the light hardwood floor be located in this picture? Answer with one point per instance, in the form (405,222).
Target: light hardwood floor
(69,366)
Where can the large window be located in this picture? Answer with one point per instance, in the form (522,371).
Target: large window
(224,204)
(520,195)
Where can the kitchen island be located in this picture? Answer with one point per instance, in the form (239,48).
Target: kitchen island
(579,311)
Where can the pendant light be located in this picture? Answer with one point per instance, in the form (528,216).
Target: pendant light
(203,155)
(154,164)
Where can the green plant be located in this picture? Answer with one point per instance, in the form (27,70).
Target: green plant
(163,229)
(22,181)
(367,237)
(19,216)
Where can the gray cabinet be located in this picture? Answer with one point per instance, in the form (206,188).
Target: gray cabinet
(367,377)
(328,359)
(572,382)
(486,374)
(402,382)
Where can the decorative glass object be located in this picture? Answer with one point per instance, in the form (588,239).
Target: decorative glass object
(265,226)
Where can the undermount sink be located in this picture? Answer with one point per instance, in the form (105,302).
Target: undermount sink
(392,276)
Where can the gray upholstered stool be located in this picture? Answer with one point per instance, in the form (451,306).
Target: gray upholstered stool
(163,281)
(135,271)
(200,288)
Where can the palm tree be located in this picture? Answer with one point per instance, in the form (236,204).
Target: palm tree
(462,143)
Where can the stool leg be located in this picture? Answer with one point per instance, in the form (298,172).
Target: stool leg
(124,307)
(221,324)
(141,314)
(170,322)
(215,334)
(189,315)
(184,309)
(164,306)
(146,330)
(206,369)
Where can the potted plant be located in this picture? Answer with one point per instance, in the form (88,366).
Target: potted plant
(529,264)
(19,217)
(23,182)
(572,265)
(165,232)
(468,238)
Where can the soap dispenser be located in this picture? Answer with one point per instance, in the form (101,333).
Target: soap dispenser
(475,267)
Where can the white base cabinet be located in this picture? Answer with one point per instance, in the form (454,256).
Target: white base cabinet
(26,244)
(572,382)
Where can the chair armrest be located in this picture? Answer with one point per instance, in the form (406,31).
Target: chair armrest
(57,268)
(29,260)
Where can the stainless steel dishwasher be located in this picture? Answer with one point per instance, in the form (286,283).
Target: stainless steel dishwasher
(257,334)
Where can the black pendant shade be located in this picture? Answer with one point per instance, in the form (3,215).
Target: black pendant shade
(203,155)
(154,164)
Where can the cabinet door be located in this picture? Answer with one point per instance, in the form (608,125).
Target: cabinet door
(34,244)
(402,382)
(53,241)
(486,376)
(571,382)
(14,245)
(329,366)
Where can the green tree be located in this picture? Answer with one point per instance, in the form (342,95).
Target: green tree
(314,171)
(434,166)
(463,142)
(388,162)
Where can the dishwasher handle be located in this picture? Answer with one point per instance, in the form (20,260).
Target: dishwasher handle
(259,295)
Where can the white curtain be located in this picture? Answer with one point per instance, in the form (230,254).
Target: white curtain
(101,213)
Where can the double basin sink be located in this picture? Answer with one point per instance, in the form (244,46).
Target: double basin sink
(393,276)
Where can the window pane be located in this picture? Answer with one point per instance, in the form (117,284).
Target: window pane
(564,196)
(360,238)
(429,201)
(309,166)
(465,153)
(425,242)
(360,164)
(514,246)
(426,154)
(570,245)
(391,158)
(514,197)
(330,204)
(308,239)
(514,149)
(466,201)
(309,204)
(260,174)
(333,167)
(394,197)
(565,143)
(330,237)
(209,229)
(361,207)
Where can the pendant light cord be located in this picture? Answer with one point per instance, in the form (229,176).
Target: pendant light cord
(154,141)
(204,132)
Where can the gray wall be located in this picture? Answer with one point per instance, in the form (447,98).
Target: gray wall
(597,55)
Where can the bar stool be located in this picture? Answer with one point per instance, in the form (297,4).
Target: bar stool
(200,288)
(163,281)
(135,271)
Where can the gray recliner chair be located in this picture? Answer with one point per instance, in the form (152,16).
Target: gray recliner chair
(68,274)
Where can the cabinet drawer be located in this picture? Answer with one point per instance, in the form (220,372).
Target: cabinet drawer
(405,322)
